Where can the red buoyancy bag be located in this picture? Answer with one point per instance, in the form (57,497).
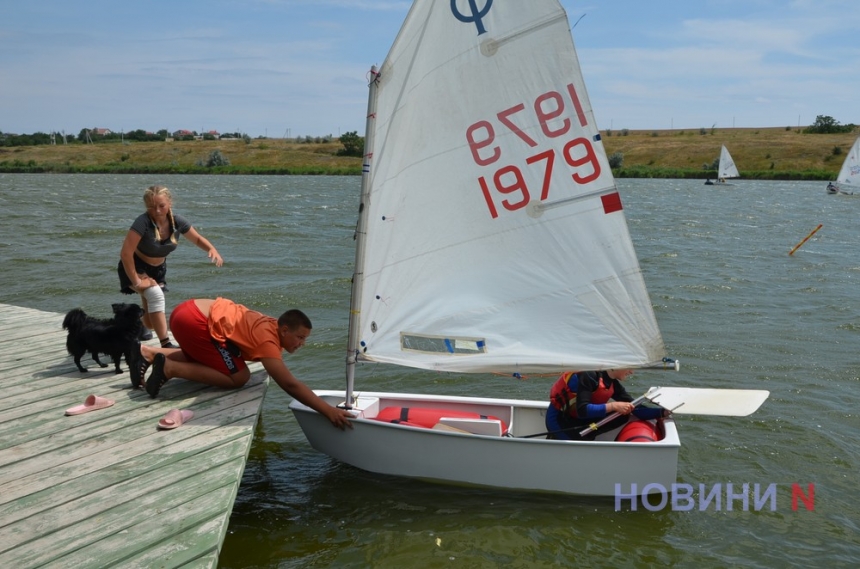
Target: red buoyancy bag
(428,418)
(638,432)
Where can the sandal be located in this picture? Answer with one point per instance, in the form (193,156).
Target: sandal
(137,366)
(157,378)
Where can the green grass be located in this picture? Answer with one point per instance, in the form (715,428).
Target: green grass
(759,153)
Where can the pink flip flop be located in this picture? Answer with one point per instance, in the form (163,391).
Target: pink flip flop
(175,418)
(91,403)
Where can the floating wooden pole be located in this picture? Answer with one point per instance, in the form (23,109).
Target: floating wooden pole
(805,239)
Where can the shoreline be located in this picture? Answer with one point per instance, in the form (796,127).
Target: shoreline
(760,153)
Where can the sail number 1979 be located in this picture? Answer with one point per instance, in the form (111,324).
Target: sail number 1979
(507,185)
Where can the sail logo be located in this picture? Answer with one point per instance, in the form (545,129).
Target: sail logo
(656,497)
(476,16)
(855,170)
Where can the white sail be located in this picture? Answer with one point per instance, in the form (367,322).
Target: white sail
(495,238)
(849,174)
(727,167)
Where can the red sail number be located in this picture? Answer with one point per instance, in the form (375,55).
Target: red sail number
(507,186)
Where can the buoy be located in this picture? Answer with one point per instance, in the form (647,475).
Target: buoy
(805,239)
(638,432)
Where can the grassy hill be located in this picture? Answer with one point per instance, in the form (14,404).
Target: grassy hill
(769,153)
(259,156)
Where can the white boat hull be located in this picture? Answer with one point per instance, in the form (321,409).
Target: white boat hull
(509,462)
(842,188)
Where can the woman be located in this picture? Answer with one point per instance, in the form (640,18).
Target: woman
(143,258)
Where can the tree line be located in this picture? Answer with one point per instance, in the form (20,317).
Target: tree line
(825,124)
(87,136)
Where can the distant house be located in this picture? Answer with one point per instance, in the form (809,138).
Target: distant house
(102,131)
(182,133)
(214,133)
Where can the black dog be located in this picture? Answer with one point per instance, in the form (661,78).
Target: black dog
(115,337)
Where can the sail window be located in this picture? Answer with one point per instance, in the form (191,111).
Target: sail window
(442,344)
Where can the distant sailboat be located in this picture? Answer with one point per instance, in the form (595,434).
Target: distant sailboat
(848,180)
(726,169)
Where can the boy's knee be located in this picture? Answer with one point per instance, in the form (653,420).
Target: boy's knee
(240,378)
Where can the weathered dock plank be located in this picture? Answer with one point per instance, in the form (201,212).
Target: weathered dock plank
(108,488)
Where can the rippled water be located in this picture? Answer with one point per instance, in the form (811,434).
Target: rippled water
(733,306)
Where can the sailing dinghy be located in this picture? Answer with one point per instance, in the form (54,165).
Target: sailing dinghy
(725,170)
(848,180)
(491,239)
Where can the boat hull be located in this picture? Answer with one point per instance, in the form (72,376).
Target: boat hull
(591,468)
(842,188)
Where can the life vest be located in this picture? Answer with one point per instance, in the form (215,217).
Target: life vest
(563,397)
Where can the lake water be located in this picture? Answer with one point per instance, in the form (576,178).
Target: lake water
(733,306)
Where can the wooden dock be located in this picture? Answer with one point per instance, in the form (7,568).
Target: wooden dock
(107,488)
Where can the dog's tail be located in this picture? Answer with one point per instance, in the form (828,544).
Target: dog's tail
(74,319)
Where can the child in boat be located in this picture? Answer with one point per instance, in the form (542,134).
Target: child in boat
(217,337)
(578,399)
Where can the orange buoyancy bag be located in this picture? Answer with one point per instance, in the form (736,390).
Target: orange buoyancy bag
(638,432)
(424,417)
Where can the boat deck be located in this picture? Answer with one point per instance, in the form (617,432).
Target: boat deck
(108,487)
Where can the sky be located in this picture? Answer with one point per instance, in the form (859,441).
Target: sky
(291,68)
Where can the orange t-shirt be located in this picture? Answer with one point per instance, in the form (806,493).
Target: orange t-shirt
(254,333)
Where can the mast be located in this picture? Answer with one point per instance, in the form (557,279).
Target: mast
(360,239)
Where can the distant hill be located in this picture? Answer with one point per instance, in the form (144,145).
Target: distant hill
(773,153)
(776,153)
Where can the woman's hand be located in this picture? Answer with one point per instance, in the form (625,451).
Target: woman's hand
(144,282)
(215,257)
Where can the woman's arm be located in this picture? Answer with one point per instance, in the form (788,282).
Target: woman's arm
(194,237)
(126,254)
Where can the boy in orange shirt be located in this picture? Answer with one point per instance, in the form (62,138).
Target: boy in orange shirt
(216,337)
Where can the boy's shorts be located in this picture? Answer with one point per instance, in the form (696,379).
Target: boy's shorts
(191,329)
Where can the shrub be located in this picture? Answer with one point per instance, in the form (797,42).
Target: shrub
(353,145)
(215,159)
(616,159)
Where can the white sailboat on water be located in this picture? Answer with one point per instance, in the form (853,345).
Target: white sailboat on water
(848,180)
(726,169)
(491,239)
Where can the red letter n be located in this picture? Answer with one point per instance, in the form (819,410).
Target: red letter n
(808,499)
